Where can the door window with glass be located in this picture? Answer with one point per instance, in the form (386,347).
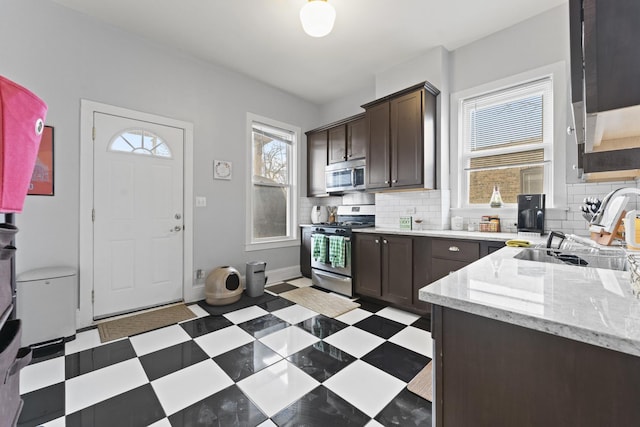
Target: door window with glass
(273,189)
(506,140)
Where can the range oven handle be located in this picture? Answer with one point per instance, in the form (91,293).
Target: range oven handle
(346,239)
(353,177)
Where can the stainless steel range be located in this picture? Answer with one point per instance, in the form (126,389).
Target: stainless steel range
(331,248)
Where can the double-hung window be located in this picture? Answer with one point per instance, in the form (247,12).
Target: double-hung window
(273,193)
(507,140)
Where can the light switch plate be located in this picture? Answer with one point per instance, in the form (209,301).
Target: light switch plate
(201,202)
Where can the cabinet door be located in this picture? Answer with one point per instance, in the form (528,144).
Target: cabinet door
(337,144)
(316,162)
(305,251)
(366,265)
(357,139)
(378,160)
(407,140)
(442,267)
(397,269)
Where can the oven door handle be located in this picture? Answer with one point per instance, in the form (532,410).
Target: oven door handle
(332,276)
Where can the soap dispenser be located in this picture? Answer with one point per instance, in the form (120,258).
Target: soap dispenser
(496,199)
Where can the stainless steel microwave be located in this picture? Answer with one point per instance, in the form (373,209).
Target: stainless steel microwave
(345,176)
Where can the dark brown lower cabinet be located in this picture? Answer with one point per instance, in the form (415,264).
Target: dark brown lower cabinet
(305,251)
(492,373)
(384,269)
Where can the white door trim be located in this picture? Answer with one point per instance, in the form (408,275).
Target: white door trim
(87,108)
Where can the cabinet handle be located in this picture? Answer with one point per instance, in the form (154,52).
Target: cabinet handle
(454,249)
(377,241)
(394,181)
(386,182)
(385,241)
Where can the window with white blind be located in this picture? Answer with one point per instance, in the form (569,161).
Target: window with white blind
(507,140)
(273,189)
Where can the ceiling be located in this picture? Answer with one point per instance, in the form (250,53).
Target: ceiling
(263,39)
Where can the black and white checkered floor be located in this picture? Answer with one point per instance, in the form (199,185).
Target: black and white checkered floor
(273,364)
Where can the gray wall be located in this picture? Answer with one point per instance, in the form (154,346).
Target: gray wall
(64,56)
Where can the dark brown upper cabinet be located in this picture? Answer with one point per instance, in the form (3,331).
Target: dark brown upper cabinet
(347,141)
(401,136)
(316,162)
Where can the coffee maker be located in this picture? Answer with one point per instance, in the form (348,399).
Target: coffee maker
(531,213)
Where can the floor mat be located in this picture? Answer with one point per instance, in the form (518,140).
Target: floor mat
(422,384)
(143,322)
(244,301)
(320,302)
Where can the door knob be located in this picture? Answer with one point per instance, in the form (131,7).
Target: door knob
(178,216)
(176,229)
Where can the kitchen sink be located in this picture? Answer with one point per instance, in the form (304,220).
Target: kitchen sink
(611,259)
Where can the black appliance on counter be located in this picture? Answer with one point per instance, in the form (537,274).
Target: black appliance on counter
(531,213)
(324,273)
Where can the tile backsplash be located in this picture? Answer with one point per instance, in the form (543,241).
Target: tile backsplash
(432,206)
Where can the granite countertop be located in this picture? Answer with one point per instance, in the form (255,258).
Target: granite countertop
(592,305)
(469,235)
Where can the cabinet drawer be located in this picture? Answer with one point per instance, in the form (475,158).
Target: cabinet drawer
(456,250)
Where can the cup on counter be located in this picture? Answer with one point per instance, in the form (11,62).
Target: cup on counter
(457,223)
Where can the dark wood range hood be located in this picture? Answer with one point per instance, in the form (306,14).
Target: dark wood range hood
(605,86)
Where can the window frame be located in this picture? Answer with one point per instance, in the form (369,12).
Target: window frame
(556,200)
(466,155)
(291,239)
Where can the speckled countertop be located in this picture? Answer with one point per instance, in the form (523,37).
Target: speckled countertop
(591,305)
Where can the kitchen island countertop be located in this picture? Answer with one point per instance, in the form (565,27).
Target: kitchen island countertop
(591,305)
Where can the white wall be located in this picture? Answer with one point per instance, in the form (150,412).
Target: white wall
(64,56)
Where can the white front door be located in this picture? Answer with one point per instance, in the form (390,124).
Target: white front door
(138,207)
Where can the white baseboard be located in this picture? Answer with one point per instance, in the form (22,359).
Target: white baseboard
(273,276)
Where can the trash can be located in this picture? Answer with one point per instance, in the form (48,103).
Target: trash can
(47,304)
(255,278)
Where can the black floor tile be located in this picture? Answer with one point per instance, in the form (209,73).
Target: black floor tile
(371,306)
(47,352)
(205,325)
(423,323)
(229,407)
(322,326)
(246,360)
(320,407)
(264,325)
(275,304)
(77,364)
(137,407)
(380,326)
(321,360)
(169,360)
(42,405)
(280,288)
(396,360)
(406,409)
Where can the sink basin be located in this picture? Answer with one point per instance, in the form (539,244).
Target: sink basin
(609,259)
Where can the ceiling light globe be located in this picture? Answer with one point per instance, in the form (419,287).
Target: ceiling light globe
(317,17)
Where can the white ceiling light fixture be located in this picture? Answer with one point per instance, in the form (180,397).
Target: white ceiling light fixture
(317,17)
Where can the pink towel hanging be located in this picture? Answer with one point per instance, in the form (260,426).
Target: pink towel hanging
(22,117)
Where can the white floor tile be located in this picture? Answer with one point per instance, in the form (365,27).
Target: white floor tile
(58,422)
(289,340)
(414,339)
(245,314)
(198,311)
(399,316)
(91,388)
(161,423)
(354,341)
(373,423)
(180,389)
(42,374)
(294,314)
(84,341)
(157,340)
(354,316)
(300,282)
(365,386)
(277,386)
(267,423)
(223,340)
